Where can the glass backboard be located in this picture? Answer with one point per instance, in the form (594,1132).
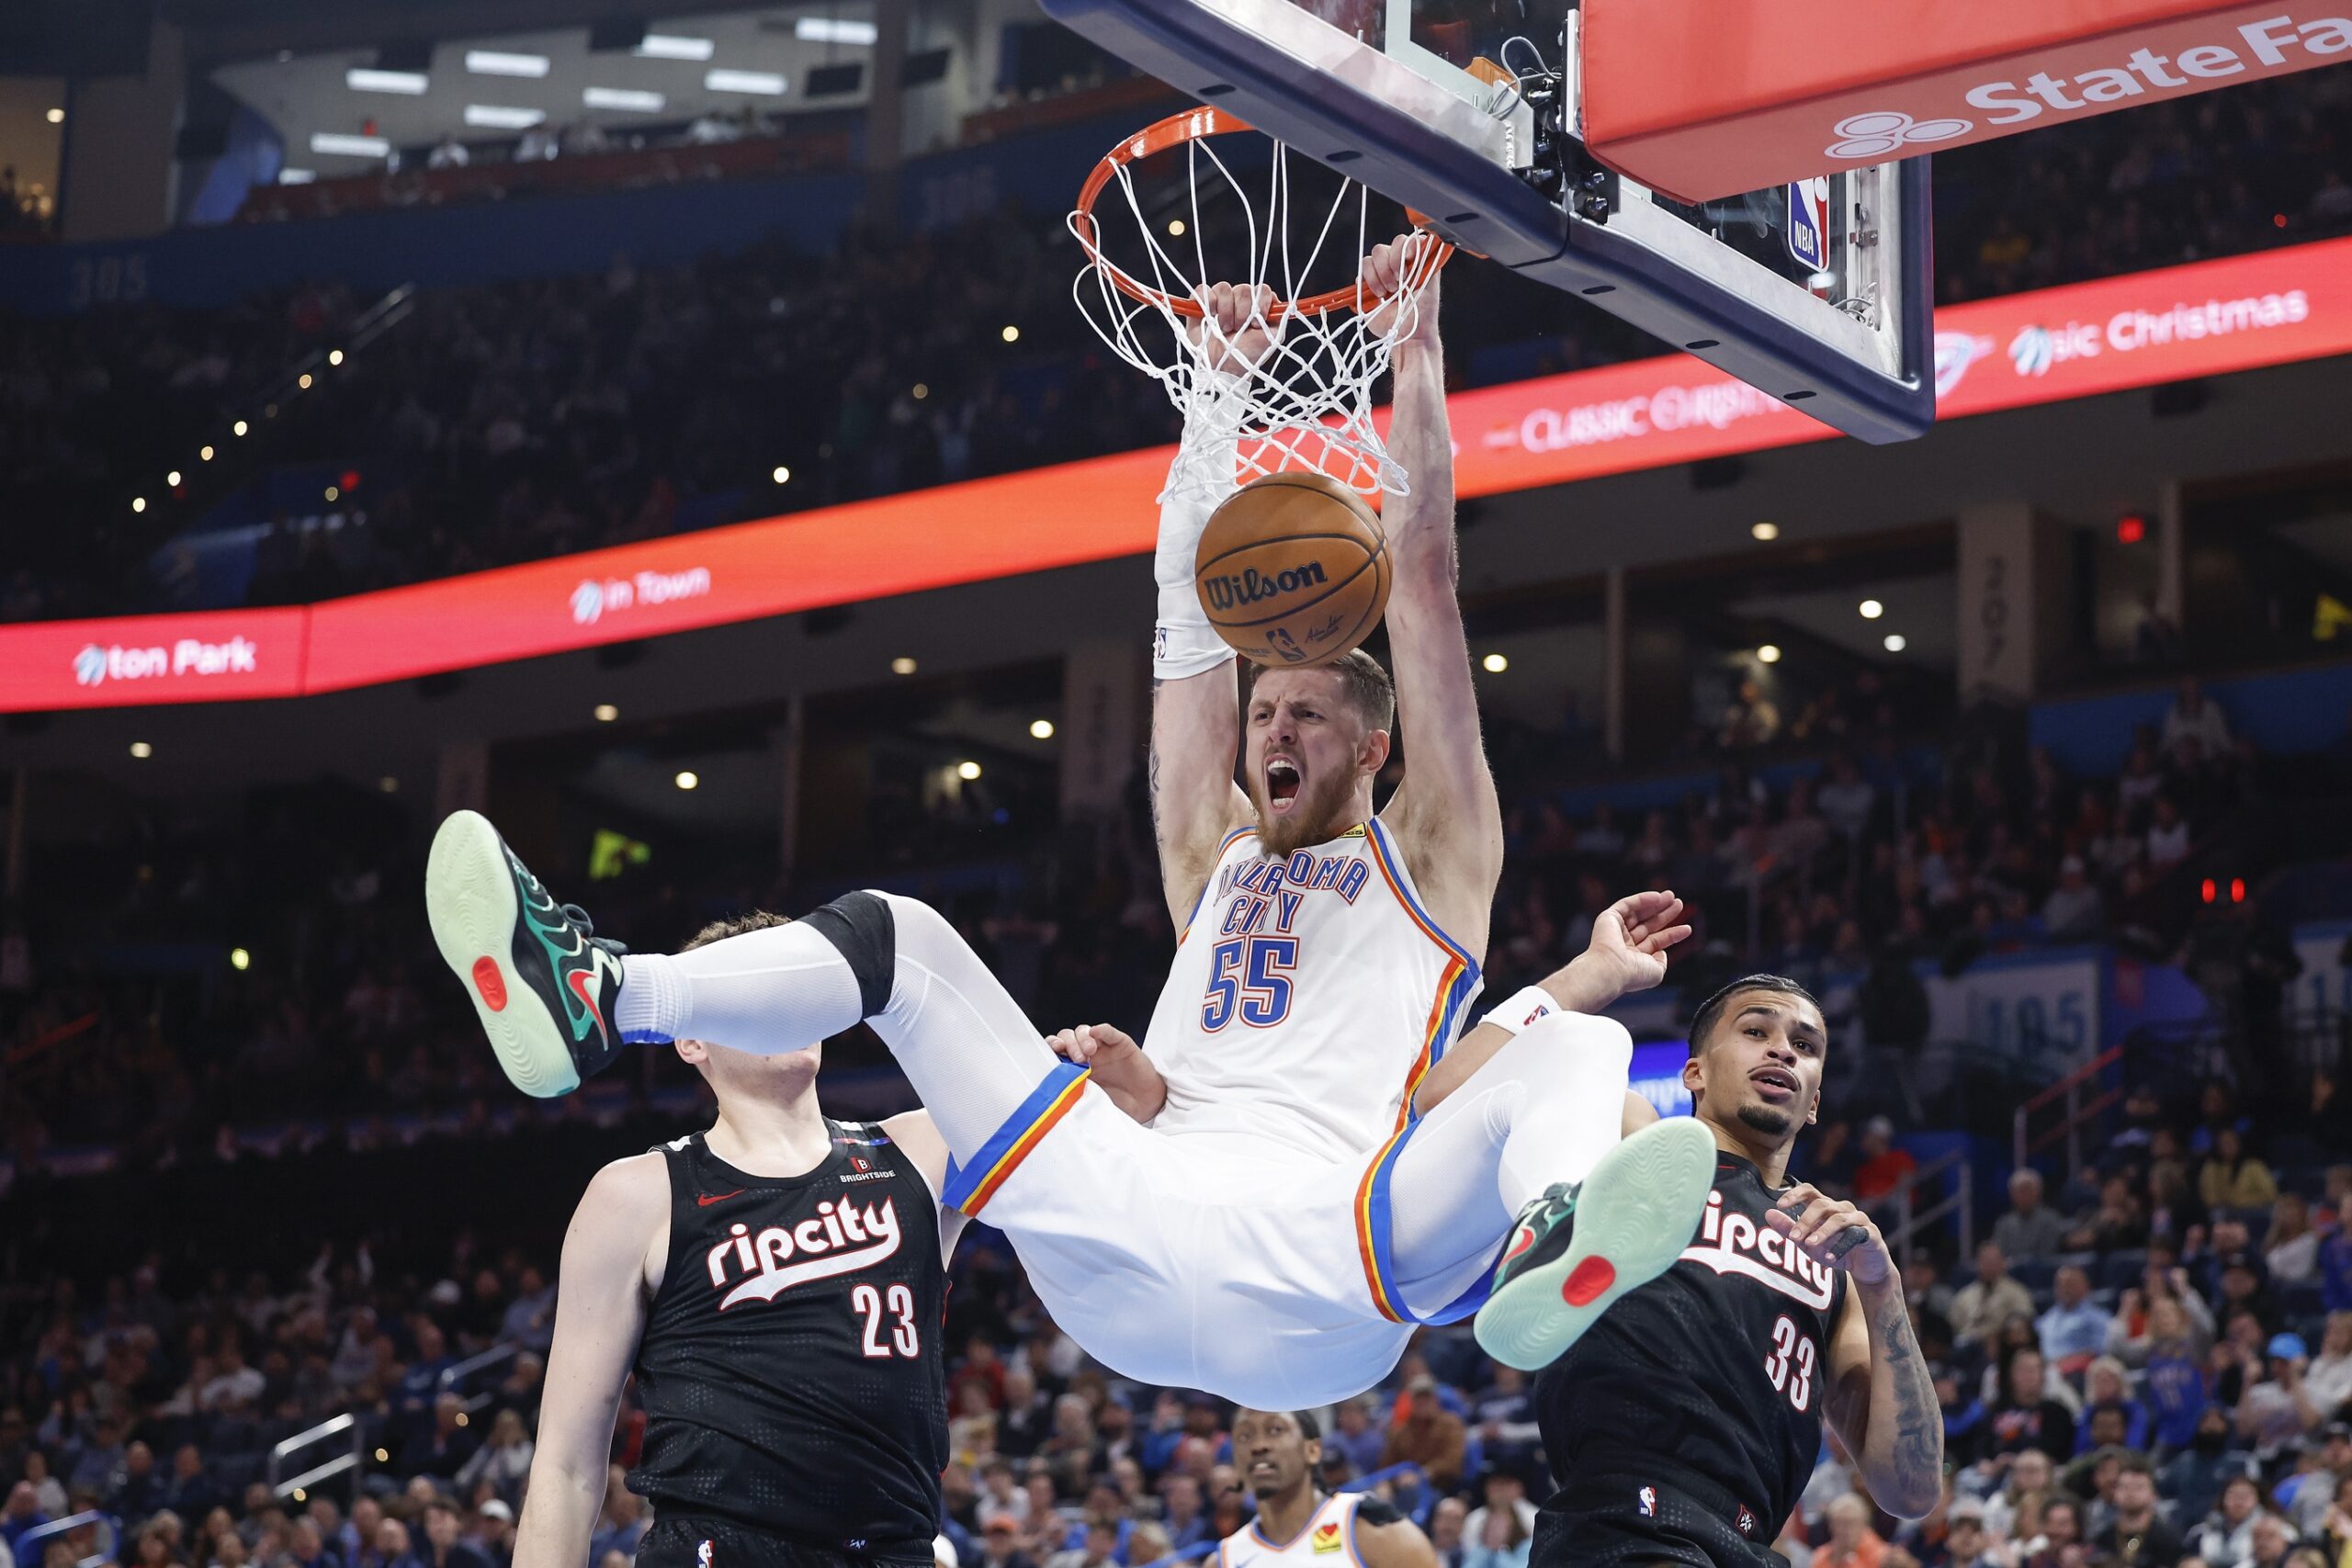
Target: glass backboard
(1819,294)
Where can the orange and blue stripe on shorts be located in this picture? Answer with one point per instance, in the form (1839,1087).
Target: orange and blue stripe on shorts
(969,1188)
(1456,984)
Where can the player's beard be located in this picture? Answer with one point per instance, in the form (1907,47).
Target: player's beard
(1770,1119)
(1313,817)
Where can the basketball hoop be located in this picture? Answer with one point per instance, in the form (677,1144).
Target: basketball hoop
(1306,401)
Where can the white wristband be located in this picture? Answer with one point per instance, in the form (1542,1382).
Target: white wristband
(1522,1009)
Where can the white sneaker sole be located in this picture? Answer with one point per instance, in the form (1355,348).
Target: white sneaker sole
(1637,1212)
(470,898)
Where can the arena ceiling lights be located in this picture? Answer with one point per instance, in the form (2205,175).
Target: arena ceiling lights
(500,116)
(367,79)
(670,46)
(835,30)
(499,63)
(760,83)
(631,100)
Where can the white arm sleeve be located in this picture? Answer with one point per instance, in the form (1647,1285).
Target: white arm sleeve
(1183,643)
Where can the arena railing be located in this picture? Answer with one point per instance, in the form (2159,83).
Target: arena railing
(31,1551)
(352,1463)
(1956,1205)
(2081,1097)
(453,1380)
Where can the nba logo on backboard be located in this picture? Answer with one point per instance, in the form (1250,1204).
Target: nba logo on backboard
(1809,222)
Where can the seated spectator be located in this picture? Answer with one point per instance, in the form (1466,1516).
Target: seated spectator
(2329,1380)
(1430,1436)
(1990,1299)
(2137,1537)
(1354,1433)
(2196,1474)
(2075,909)
(504,1460)
(2117,1221)
(1001,1544)
(21,1513)
(2233,1178)
(2291,1249)
(2195,716)
(1501,1540)
(2107,1391)
(442,1547)
(1852,1543)
(1446,1531)
(2058,1542)
(2168,835)
(1884,1167)
(2028,1230)
(2025,1415)
(2029,1475)
(2075,1329)
(2307,1497)
(2277,1410)
(1966,1543)
(2273,1538)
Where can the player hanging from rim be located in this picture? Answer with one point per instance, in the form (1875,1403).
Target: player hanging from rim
(1321,1171)
(1685,1426)
(1299,1524)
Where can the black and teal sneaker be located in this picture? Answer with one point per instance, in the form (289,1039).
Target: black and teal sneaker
(1579,1246)
(542,980)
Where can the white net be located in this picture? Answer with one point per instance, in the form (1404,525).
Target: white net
(1290,386)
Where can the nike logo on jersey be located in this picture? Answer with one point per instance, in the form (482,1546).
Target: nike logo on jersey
(843,1238)
(1731,1243)
(706,1200)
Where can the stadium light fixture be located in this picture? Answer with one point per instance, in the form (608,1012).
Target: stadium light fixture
(634,99)
(341,145)
(239,960)
(687,779)
(1495,663)
(141,750)
(923,390)
(293,176)
(239,428)
(389,785)
(204,454)
(967,772)
(1764,533)
(902,665)
(1768,654)
(605,713)
(303,380)
(1871,609)
(335,356)
(1897,642)
(173,479)
(364,79)
(55,116)
(1041,729)
(835,30)
(503,117)
(1176,228)
(760,83)
(138,504)
(782,475)
(670,46)
(334,493)
(1010,335)
(498,63)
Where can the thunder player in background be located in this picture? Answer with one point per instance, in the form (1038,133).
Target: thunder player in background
(778,1284)
(1299,1526)
(1686,1425)
(1322,1167)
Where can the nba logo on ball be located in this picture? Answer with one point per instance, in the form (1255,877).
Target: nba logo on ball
(1809,222)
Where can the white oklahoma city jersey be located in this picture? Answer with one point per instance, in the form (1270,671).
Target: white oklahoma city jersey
(1328,1542)
(1308,997)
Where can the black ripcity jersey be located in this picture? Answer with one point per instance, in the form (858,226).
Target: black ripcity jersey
(1713,1374)
(791,1368)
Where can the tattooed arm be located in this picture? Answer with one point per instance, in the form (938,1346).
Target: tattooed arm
(1881,1399)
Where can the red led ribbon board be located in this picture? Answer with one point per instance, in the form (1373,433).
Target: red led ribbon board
(2240,313)
(1707,98)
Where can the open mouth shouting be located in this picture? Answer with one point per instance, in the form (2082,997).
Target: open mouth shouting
(1774,1085)
(1283,778)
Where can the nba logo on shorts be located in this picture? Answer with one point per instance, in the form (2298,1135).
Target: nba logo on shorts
(1649,1502)
(1809,222)
(702,1554)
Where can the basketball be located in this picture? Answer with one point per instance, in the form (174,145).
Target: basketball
(1293,569)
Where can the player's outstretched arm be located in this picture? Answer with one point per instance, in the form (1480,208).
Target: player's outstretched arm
(1195,682)
(1385,1539)
(1445,815)
(1881,1399)
(1627,953)
(622,1222)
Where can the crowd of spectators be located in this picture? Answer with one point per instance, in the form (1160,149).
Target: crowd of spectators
(517,420)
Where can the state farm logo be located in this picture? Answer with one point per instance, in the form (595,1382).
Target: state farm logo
(1887,133)
(95,665)
(597,596)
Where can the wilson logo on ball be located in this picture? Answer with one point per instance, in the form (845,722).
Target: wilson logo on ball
(1229,590)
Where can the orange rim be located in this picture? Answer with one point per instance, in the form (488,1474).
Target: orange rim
(1176,131)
